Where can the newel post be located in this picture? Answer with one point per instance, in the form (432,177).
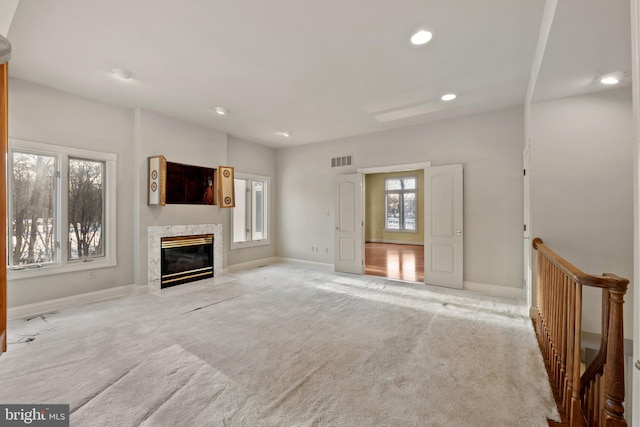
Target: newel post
(614,368)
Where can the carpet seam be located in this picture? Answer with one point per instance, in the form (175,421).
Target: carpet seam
(103,390)
(180,387)
(214,303)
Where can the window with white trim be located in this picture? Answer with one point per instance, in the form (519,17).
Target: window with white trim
(400,204)
(61,209)
(250,219)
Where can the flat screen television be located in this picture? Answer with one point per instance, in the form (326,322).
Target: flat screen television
(192,185)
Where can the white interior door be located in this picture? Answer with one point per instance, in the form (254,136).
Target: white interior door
(349,242)
(443,226)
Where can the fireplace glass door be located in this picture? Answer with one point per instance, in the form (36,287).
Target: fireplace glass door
(186,259)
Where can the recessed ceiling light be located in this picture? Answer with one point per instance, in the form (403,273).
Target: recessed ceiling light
(614,77)
(448,97)
(122,74)
(421,37)
(285,133)
(221,110)
(609,80)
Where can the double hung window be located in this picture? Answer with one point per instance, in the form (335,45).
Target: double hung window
(250,215)
(400,204)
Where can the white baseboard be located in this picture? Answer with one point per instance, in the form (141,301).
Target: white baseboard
(313,264)
(251,264)
(38,308)
(395,242)
(494,290)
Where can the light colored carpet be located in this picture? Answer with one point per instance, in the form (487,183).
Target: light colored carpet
(284,345)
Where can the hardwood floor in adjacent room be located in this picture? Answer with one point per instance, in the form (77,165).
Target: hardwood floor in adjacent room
(403,262)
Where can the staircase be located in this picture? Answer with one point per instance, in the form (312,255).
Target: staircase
(595,397)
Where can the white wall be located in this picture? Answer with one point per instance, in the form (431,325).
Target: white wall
(38,113)
(179,142)
(581,187)
(490,148)
(251,158)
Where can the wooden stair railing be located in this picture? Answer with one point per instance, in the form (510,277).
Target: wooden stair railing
(596,397)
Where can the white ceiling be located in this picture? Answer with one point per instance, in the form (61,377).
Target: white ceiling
(588,39)
(319,69)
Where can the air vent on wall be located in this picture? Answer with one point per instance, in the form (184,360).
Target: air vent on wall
(337,162)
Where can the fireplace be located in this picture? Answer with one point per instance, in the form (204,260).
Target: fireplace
(186,259)
(155,234)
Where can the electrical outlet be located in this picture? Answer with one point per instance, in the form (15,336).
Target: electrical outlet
(92,274)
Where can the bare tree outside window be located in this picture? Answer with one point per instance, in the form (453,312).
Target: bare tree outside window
(32,215)
(61,209)
(400,209)
(86,209)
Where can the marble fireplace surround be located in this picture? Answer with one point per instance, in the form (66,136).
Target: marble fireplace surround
(155,233)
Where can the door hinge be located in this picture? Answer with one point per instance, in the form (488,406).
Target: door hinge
(525,172)
(525,227)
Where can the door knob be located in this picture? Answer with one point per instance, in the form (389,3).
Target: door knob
(458,233)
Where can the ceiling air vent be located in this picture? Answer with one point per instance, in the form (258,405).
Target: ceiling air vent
(337,162)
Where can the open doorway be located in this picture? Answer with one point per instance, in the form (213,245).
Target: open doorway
(394,225)
(442,216)
(395,261)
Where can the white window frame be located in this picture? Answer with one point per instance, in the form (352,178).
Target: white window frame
(401,192)
(62,262)
(248,212)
